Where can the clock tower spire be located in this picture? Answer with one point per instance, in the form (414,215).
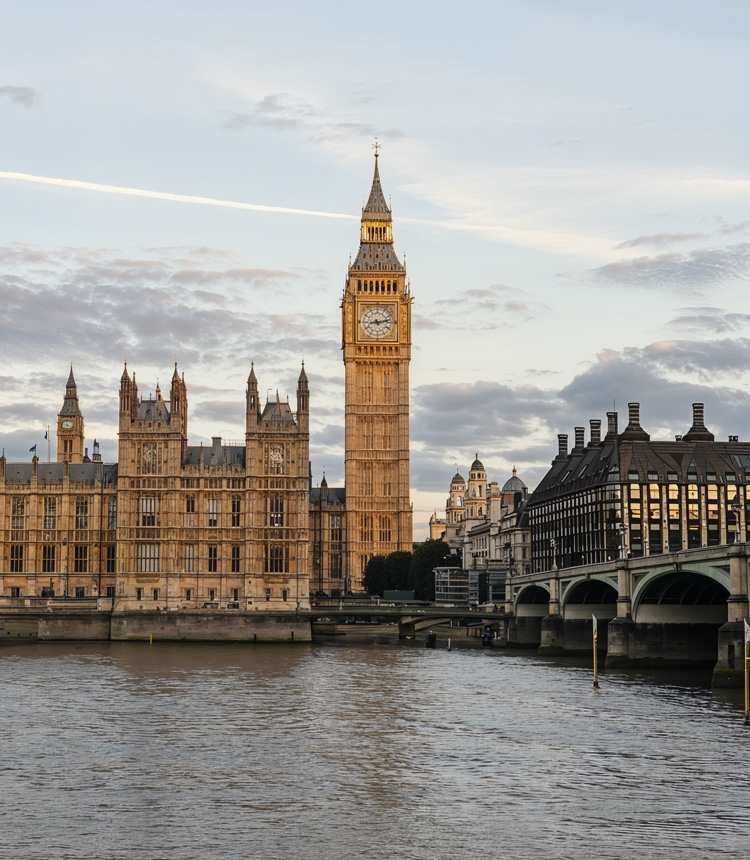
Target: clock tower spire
(70,425)
(376,342)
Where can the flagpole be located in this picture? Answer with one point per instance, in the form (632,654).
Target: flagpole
(596,664)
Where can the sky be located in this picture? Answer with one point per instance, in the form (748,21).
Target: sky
(569,183)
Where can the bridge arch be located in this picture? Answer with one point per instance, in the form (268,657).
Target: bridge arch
(586,595)
(692,595)
(532,599)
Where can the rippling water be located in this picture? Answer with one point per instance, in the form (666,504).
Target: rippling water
(369,750)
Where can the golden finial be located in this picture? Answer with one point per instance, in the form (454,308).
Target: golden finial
(377,147)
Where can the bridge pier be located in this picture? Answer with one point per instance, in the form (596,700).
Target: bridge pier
(729,670)
(552,635)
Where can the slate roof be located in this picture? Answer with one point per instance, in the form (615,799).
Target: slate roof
(335,494)
(153,410)
(20,473)
(277,410)
(376,257)
(208,455)
(376,207)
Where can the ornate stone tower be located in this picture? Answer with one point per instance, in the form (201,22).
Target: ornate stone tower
(376,341)
(70,425)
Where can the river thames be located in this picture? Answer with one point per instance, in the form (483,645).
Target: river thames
(361,748)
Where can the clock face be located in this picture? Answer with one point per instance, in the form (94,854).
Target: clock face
(377,322)
(67,425)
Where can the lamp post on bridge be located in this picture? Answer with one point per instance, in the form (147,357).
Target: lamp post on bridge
(736,506)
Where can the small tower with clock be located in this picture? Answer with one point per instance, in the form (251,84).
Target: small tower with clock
(376,342)
(70,425)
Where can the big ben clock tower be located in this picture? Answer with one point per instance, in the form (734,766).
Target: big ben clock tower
(376,341)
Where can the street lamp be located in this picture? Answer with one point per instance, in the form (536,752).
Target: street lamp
(736,511)
(553,546)
(623,530)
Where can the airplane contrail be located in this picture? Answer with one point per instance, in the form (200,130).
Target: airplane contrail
(549,240)
(165,195)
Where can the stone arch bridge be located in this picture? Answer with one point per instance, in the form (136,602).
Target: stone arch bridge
(686,606)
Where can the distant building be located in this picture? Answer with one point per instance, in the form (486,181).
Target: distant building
(628,495)
(487,528)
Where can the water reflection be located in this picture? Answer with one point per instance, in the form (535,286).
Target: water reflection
(364,748)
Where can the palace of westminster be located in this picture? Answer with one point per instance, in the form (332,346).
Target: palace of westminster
(173,525)
(239,526)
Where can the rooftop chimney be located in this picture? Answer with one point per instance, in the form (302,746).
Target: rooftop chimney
(634,430)
(698,432)
(562,446)
(611,425)
(596,431)
(580,438)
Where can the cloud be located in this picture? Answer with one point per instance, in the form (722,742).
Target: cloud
(22,95)
(286,112)
(497,306)
(710,320)
(693,271)
(660,240)
(517,425)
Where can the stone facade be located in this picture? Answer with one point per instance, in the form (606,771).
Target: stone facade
(376,342)
(486,527)
(233,525)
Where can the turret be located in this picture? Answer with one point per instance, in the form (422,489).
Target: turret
(178,400)
(70,425)
(252,411)
(303,400)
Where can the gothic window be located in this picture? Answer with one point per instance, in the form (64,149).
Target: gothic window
(48,559)
(111,555)
(16,559)
(189,558)
(212,510)
(17,513)
(335,529)
(50,512)
(147,511)
(276,511)
(277,558)
(235,511)
(235,559)
(82,512)
(112,513)
(213,559)
(147,558)
(366,528)
(81,559)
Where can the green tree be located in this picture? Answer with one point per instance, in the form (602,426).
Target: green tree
(397,566)
(374,576)
(427,556)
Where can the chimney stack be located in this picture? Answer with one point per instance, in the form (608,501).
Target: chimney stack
(562,445)
(596,430)
(580,438)
(698,432)
(634,430)
(611,425)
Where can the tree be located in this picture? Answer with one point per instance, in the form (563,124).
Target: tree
(374,575)
(397,566)
(426,557)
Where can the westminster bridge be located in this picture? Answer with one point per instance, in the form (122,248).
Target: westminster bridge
(686,606)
